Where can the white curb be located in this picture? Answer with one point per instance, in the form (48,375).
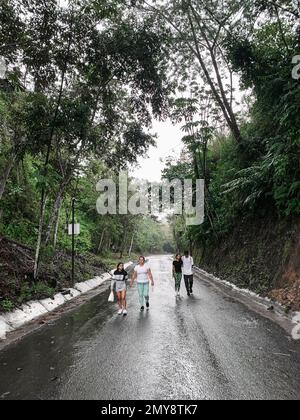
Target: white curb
(51,304)
(93,283)
(16,319)
(73,294)
(265,302)
(4,328)
(83,287)
(106,277)
(34,309)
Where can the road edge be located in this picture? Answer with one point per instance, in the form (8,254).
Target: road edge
(265,307)
(33,310)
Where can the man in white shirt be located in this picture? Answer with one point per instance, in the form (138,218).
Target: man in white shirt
(187,271)
(143,275)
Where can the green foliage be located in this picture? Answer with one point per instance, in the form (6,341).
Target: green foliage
(76,105)
(152,237)
(82,83)
(259,176)
(36,291)
(272,142)
(6,306)
(42,290)
(25,293)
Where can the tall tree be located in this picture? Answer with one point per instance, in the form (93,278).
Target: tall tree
(197,30)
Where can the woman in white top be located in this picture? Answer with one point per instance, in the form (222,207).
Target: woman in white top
(143,275)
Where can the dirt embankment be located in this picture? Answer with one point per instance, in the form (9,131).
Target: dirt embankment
(17,284)
(287,287)
(261,255)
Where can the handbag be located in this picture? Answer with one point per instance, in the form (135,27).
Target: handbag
(111,297)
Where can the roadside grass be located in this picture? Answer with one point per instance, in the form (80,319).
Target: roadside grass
(6,306)
(58,277)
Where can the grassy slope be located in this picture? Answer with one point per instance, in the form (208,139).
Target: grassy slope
(16,268)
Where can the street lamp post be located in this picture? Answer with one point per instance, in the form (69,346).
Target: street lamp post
(73,241)
(74,229)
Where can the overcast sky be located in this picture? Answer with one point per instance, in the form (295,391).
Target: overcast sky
(168,143)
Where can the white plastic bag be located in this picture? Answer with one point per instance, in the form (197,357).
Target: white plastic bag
(111,297)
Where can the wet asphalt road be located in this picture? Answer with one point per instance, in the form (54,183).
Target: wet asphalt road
(205,347)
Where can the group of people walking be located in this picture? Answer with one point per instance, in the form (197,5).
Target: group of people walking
(142,274)
(183,268)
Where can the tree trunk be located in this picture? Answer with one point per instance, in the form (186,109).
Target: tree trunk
(282,34)
(39,241)
(131,246)
(6,173)
(122,247)
(56,208)
(101,241)
(123,243)
(220,98)
(56,228)
(47,160)
(233,121)
(53,218)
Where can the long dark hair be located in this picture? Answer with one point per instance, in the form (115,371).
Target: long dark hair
(118,266)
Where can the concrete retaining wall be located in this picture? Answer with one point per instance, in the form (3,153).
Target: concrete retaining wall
(33,310)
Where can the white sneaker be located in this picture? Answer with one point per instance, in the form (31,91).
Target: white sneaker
(125,313)
(120,311)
